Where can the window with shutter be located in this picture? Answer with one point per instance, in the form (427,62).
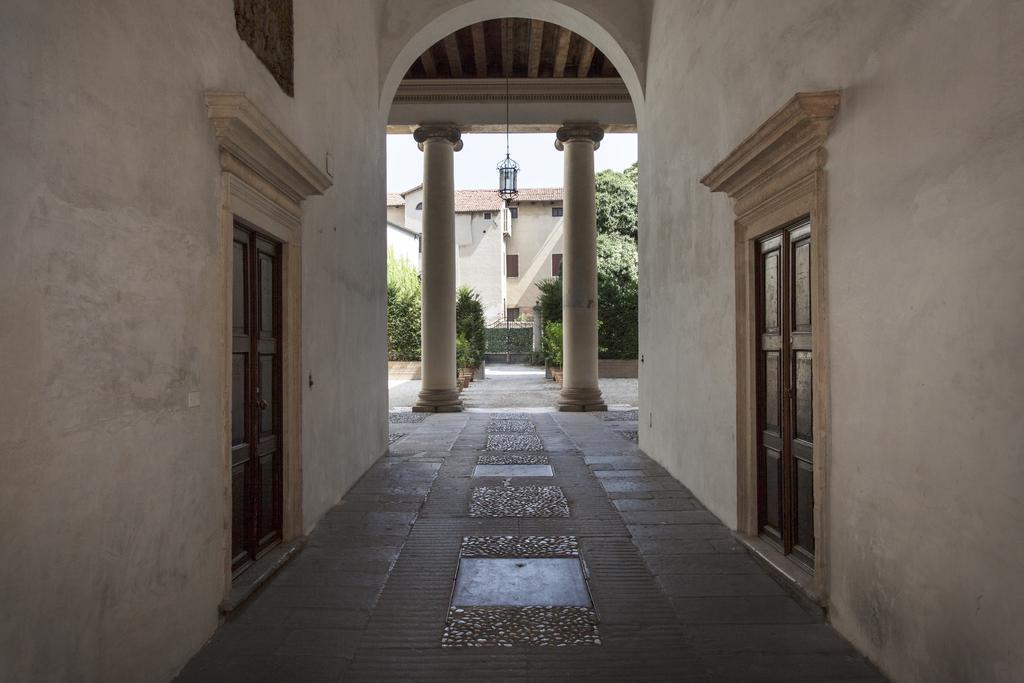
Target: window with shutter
(556,265)
(511,265)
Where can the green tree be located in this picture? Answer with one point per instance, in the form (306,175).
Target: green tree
(549,302)
(617,296)
(552,344)
(470,326)
(616,202)
(403,309)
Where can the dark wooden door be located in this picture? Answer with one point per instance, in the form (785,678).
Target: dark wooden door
(256,462)
(785,366)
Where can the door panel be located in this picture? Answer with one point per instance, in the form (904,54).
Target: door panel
(785,391)
(770,462)
(256,481)
(803,540)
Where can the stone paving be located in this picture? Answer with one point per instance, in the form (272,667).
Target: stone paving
(675,596)
(514,387)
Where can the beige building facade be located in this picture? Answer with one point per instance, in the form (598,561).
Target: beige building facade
(142,143)
(503,252)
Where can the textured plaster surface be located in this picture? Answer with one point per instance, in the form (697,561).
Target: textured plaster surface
(536,235)
(110,296)
(480,262)
(923,283)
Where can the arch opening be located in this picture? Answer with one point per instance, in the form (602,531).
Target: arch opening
(479,11)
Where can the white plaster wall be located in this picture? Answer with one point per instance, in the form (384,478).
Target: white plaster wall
(481,260)
(924,281)
(414,216)
(536,235)
(396,214)
(110,301)
(404,245)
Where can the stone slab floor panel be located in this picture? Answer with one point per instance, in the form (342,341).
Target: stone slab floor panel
(676,598)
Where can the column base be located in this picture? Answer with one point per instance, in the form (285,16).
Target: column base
(581,401)
(438,401)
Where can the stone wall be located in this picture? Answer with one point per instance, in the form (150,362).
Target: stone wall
(614,368)
(405,369)
(267,28)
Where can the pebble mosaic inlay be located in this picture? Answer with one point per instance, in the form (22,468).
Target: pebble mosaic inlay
(511,427)
(393,437)
(531,626)
(404,418)
(520,546)
(513,459)
(518,501)
(631,436)
(514,442)
(625,415)
(510,416)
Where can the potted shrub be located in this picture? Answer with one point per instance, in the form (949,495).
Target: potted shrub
(463,361)
(553,349)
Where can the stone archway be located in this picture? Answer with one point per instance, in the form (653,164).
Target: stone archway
(410,43)
(580,129)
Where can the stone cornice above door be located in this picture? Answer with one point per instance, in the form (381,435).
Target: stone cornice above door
(252,144)
(784,149)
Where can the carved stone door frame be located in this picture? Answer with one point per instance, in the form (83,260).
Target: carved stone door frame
(264,179)
(776,177)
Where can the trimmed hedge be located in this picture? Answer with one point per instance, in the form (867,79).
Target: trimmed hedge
(403,309)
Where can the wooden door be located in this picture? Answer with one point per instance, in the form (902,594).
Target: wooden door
(785,365)
(256,458)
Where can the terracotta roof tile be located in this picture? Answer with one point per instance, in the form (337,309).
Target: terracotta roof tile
(475,201)
(540,194)
(395,199)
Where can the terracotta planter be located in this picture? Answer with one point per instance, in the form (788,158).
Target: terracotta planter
(556,374)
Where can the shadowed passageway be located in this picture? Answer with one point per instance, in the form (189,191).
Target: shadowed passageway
(608,568)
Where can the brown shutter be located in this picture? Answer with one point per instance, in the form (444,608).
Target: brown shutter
(511,265)
(556,265)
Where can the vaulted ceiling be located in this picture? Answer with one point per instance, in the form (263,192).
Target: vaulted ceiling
(517,48)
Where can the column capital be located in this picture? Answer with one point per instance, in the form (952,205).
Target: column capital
(579,131)
(443,131)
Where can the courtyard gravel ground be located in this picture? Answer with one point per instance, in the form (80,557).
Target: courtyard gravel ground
(515,386)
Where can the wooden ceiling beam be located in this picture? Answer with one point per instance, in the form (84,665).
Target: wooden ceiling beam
(608,69)
(562,51)
(506,48)
(428,63)
(451,48)
(536,39)
(586,57)
(479,50)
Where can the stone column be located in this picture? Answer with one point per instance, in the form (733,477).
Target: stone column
(580,390)
(439,392)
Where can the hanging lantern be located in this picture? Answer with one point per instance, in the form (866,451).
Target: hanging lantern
(508,169)
(508,179)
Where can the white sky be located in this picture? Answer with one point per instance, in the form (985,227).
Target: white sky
(475,166)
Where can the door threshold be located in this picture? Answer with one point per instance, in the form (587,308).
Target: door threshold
(249,581)
(788,572)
